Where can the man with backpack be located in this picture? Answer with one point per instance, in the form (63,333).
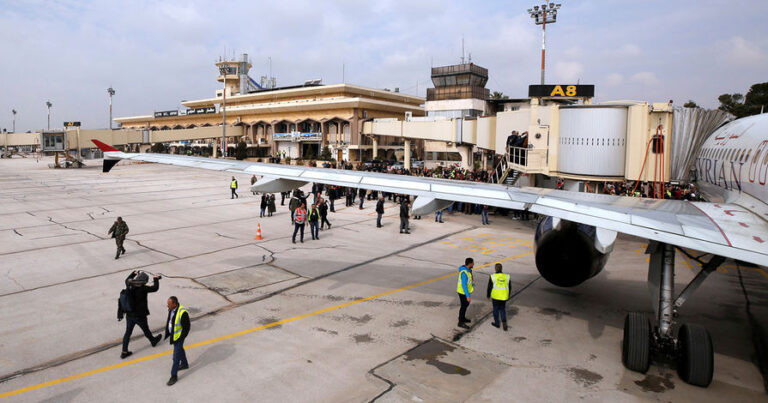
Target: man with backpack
(133,304)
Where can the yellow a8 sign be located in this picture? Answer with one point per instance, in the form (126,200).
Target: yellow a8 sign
(561,91)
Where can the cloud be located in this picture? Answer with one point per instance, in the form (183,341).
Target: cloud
(644,78)
(628,50)
(740,51)
(614,79)
(569,72)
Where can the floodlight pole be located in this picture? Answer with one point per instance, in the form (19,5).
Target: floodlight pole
(49,105)
(223,70)
(111,92)
(14,120)
(543,45)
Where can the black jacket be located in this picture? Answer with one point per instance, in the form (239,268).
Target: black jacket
(404,213)
(184,325)
(361,192)
(138,296)
(380,206)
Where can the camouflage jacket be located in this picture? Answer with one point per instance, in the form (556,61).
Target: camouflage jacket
(119,230)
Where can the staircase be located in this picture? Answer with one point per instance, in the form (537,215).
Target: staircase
(504,174)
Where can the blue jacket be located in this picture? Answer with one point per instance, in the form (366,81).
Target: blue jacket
(464,279)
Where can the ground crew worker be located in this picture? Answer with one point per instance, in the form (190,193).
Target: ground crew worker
(299,219)
(177,329)
(499,290)
(233,186)
(253,182)
(119,230)
(135,285)
(464,288)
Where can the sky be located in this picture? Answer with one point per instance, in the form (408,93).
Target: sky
(157,53)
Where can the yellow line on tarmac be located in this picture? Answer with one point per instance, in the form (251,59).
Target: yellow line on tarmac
(241,333)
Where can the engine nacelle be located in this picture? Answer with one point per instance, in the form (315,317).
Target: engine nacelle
(568,253)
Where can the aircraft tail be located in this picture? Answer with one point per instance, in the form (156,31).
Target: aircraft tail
(109,162)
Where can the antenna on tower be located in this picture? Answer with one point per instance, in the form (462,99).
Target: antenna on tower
(462,49)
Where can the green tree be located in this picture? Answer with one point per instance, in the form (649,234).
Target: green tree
(325,155)
(740,106)
(690,104)
(498,95)
(241,151)
(158,148)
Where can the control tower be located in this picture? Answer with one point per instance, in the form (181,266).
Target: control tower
(459,91)
(237,79)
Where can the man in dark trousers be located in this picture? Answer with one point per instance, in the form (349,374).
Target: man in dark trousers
(136,287)
(313,216)
(379,211)
(233,186)
(119,230)
(361,193)
(464,288)
(499,290)
(404,214)
(322,207)
(177,328)
(299,220)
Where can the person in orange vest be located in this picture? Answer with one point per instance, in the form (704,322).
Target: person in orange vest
(299,220)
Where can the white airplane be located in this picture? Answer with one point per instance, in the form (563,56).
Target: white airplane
(578,231)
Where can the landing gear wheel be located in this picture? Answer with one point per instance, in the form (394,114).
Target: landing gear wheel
(695,363)
(636,352)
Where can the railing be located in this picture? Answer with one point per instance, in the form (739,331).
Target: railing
(527,160)
(500,170)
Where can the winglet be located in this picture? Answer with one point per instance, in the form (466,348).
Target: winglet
(104,147)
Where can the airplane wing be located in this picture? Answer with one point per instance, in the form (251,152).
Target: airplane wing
(728,230)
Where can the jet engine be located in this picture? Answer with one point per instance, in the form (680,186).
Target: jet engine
(568,253)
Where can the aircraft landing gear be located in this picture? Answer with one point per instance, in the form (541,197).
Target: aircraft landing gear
(692,348)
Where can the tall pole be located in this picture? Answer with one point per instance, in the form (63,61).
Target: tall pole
(14,120)
(224,118)
(543,44)
(49,104)
(111,92)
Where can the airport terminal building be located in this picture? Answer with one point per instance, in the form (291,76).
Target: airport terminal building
(297,121)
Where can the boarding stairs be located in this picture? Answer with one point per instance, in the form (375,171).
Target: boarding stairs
(504,174)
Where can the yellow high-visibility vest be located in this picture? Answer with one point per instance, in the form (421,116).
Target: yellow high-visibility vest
(233,185)
(470,286)
(500,291)
(180,310)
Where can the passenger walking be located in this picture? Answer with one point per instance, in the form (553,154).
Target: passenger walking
(313,216)
(119,230)
(379,211)
(177,329)
(283,195)
(361,193)
(293,204)
(323,209)
(233,186)
(271,205)
(263,205)
(499,290)
(299,220)
(439,216)
(404,214)
(134,306)
(465,288)
(253,182)
(332,195)
(484,215)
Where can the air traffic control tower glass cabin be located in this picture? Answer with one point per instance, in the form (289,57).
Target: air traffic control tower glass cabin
(459,91)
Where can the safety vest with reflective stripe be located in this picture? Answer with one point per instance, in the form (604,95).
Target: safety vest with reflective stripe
(500,291)
(470,286)
(233,185)
(180,310)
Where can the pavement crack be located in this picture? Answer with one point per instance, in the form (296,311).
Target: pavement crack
(17,232)
(153,249)
(75,229)
(431,262)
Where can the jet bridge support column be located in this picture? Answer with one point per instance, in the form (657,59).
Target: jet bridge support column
(407,156)
(375,147)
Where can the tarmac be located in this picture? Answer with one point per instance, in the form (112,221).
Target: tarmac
(362,314)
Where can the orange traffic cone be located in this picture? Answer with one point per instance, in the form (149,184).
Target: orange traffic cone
(258,233)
